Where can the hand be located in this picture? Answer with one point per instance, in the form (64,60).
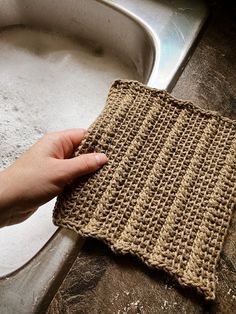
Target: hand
(41,173)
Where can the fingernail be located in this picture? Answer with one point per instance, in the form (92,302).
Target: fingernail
(101,158)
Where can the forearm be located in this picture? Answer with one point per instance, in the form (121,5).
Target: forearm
(15,205)
(8,200)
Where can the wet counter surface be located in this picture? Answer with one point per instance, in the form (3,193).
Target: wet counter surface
(102,282)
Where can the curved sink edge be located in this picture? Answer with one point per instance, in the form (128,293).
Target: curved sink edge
(156,71)
(23,266)
(183,60)
(160,78)
(40,279)
(154,39)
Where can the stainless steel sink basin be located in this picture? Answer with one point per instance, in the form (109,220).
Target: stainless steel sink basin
(57,61)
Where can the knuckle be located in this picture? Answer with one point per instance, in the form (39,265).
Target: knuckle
(88,163)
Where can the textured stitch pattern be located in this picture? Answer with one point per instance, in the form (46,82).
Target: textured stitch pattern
(167,192)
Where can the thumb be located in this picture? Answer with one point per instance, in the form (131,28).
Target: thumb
(84,164)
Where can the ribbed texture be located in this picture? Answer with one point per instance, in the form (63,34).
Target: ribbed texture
(167,192)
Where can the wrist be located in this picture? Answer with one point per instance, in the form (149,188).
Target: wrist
(7,201)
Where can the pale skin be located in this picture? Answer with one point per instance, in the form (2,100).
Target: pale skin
(42,172)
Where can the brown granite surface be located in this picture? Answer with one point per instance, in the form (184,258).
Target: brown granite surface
(102,282)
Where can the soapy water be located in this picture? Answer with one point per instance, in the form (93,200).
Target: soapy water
(49,82)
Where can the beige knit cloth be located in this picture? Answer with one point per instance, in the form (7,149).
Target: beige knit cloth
(167,192)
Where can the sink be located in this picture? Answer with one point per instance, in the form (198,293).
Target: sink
(57,61)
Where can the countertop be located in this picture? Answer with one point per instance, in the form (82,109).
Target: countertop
(102,282)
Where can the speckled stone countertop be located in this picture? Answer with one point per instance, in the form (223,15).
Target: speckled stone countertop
(102,282)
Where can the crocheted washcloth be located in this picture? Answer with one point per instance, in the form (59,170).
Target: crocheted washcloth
(167,192)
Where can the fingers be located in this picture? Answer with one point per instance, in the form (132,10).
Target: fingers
(74,135)
(70,140)
(61,144)
(85,164)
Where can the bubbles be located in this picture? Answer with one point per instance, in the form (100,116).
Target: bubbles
(49,82)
